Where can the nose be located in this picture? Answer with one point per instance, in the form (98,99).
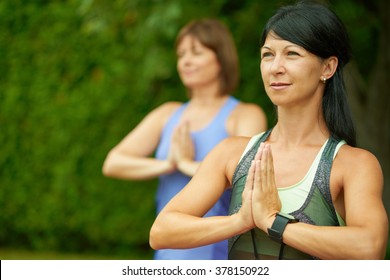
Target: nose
(277,65)
(185,59)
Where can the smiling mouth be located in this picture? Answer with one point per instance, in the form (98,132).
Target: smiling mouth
(279,86)
(188,72)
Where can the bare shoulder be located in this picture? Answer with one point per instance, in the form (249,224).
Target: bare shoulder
(247,119)
(229,151)
(357,158)
(164,111)
(231,147)
(248,109)
(168,107)
(358,165)
(235,143)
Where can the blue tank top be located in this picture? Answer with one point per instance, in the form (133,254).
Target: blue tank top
(169,185)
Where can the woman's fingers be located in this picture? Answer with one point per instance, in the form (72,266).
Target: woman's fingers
(246,207)
(249,178)
(265,171)
(259,151)
(270,168)
(265,197)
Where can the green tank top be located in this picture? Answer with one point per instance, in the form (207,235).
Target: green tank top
(317,208)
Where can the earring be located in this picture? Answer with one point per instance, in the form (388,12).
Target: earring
(323,80)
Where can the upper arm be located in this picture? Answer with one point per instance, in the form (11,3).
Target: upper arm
(144,138)
(363,187)
(247,119)
(363,184)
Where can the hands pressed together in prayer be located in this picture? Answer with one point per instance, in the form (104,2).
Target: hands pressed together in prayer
(260,199)
(182,150)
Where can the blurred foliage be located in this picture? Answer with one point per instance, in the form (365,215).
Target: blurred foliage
(76,77)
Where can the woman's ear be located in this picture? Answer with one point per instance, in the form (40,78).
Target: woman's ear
(329,67)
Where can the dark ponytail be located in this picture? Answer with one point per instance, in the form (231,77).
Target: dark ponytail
(336,110)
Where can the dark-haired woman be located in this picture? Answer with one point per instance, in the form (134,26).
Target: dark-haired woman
(301,190)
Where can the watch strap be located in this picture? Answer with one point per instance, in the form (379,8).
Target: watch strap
(278,227)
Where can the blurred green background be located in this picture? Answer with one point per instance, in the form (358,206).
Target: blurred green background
(78,75)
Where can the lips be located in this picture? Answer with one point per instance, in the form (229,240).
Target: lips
(279,85)
(188,72)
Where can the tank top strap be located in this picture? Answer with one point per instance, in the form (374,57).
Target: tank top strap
(243,166)
(321,185)
(222,115)
(227,108)
(323,171)
(175,117)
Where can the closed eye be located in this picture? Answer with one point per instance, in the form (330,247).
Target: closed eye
(197,52)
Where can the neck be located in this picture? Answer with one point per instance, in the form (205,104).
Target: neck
(205,96)
(300,127)
(206,89)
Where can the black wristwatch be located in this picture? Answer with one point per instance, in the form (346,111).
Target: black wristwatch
(278,226)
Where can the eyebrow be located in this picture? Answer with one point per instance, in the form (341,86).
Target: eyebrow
(286,47)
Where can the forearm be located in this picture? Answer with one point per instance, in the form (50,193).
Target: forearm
(188,167)
(177,231)
(126,167)
(345,242)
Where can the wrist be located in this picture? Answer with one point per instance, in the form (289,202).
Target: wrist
(242,223)
(171,166)
(182,163)
(276,230)
(266,222)
(187,167)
